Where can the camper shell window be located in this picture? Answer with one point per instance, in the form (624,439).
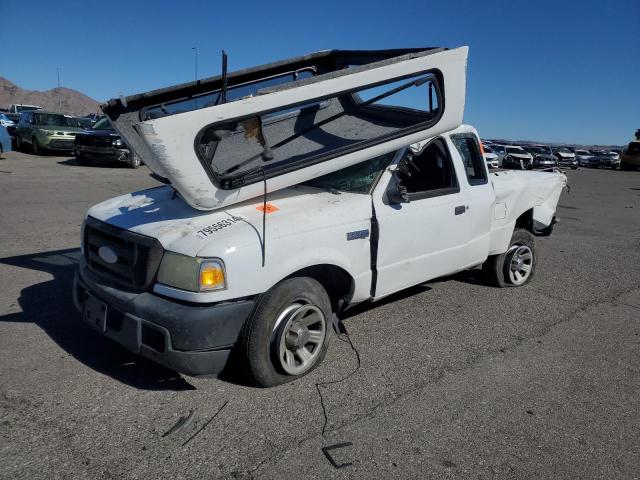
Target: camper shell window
(244,150)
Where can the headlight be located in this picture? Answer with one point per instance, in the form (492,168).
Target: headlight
(47,132)
(117,142)
(193,274)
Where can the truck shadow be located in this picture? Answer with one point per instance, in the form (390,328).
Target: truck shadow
(50,306)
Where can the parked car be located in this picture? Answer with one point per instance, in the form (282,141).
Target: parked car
(5,140)
(490,157)
(18,108)
(586,159)
(517,157)
(604,159)
(265,258)
(630,158)
(500,152)
(543,157)
(46,131)
(101,143)
(566,157)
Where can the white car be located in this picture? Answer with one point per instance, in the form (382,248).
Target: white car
(517,157)
(18,108)
(262,259)
(490,156)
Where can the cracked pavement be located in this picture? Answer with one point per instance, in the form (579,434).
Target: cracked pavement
(456,379)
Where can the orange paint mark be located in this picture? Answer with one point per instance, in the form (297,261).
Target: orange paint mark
(270,208)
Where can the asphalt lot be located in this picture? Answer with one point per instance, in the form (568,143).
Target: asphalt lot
(455,379)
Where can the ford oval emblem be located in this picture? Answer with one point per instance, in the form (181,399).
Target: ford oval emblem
(107,254)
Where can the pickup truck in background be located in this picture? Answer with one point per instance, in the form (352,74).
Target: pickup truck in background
(330,192)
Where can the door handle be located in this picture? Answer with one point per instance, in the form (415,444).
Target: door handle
(460,209)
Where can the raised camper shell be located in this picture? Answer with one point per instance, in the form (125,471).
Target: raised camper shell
(221,154)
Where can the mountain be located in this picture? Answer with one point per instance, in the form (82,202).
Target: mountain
(63,100)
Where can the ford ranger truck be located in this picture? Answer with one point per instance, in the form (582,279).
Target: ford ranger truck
(273,222)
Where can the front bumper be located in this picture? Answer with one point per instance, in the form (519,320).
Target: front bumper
(102,153)
(56,142)
(188,338)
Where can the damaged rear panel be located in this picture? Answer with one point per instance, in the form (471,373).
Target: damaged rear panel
(224,140)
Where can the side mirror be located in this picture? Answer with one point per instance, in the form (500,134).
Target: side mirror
(397,193)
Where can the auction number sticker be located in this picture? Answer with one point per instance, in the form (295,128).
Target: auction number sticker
(215,227)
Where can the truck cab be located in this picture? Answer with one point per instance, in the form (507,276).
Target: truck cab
(267,271)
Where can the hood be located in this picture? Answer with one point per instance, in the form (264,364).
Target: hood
(565,154)
(523,155)
(99,133)
(161,214)
(290,121)
(58,128)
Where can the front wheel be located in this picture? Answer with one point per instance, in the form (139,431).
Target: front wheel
(288,334)
(35,146)
(134,161)
(516,266)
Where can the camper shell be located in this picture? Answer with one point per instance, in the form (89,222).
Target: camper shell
(230,138)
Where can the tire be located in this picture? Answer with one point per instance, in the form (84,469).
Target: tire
(35,147)
(271,339)
(134,161)
(498,271)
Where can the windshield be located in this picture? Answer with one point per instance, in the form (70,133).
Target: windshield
(25,108)
(582,152)
(538,150)
(487,149)
(54,120)
(358,178)
(102,124)
(516,150)
(564,150)
(4,117)
(83,122)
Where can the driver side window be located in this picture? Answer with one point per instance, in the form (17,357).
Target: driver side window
(429,173)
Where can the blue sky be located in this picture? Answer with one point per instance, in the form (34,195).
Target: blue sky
(557,71)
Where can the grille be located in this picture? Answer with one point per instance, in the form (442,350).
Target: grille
(94,140)
(138,256)
(62,144)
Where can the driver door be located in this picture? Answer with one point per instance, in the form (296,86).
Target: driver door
(421,236)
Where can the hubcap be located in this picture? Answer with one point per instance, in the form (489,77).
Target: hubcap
(521,264)
(298,336)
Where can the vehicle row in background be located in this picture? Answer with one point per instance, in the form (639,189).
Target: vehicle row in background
(89,141)
(529,156)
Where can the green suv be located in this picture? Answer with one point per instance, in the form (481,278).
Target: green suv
(46,131)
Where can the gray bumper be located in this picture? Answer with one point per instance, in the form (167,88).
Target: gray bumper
(188,338)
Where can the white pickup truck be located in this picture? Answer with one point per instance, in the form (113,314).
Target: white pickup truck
(290,201)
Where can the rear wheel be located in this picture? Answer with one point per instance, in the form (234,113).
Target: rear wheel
(516,266)
(288,334)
